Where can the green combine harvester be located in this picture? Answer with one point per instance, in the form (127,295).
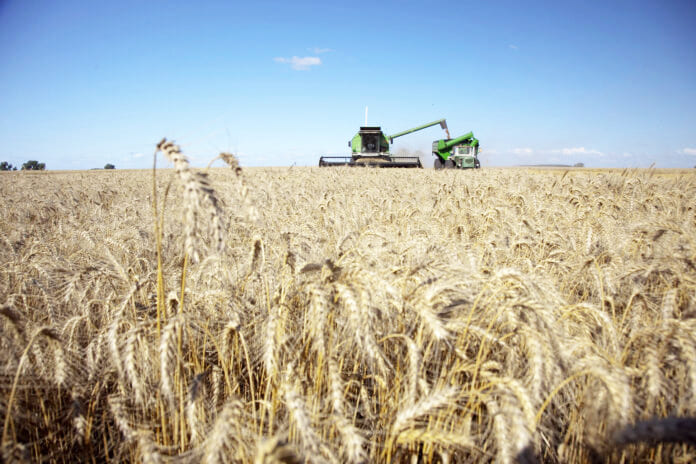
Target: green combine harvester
(459,153)
(370,147)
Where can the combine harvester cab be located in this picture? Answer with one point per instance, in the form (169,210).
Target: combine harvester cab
(370,147)
(459,153)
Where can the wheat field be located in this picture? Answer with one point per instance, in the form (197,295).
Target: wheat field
(347,315)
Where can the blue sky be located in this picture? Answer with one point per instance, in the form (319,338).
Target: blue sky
(607,83)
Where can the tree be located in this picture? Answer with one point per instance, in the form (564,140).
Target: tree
(33,165)
(109,166)
(5,166)
(579,165)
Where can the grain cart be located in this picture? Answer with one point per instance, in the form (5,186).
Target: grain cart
(460,153)
(370,147)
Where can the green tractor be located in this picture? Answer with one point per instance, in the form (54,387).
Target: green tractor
(370,147)
(459,153)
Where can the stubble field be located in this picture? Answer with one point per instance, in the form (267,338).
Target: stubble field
(348,315)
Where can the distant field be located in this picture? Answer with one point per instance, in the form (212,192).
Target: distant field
(347,315)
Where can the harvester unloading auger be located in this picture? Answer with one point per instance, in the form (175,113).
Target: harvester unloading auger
(370,147)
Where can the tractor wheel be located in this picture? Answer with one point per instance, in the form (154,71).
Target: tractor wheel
(449,164)
(438,164)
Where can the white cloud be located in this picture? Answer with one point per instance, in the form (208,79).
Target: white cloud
(522,151)
(513,47)
(687,151)
(137,155)
(300,63)
(319,51)
(578,151)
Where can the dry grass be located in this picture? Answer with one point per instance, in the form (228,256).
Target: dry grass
(347,315)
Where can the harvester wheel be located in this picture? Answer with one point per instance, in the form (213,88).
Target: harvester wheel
(477,164)
(438,164)
(449,164)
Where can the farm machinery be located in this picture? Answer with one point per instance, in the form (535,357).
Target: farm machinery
(460,153)
(370,147)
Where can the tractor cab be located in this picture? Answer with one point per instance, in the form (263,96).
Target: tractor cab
(465,156)
(465,150)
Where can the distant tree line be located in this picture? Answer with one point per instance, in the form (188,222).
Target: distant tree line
(31,165)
